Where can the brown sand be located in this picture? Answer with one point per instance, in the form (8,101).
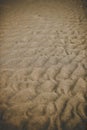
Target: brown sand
(43,65)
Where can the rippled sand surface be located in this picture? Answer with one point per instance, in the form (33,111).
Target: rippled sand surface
(43,65)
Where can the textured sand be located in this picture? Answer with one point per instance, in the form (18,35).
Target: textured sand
(43,65)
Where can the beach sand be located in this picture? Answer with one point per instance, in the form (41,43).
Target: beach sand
(43,65)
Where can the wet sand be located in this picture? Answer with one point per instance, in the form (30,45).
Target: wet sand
(43,65)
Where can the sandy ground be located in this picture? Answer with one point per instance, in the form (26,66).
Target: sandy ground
(43,65)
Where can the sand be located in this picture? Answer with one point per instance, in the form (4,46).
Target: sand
(43,65)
